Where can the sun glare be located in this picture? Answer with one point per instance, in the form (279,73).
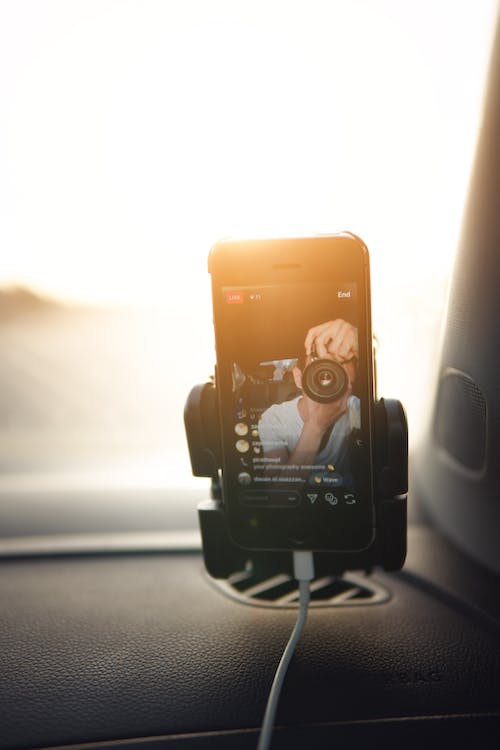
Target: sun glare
(134,135)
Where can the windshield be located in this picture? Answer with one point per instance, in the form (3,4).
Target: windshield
(135,135)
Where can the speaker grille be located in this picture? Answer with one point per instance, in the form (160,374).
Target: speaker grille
(460,421)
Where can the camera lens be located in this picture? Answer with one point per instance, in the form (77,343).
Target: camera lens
(324,380)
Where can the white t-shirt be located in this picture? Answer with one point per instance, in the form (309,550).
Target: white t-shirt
(281,426)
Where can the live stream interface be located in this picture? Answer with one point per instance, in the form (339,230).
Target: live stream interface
(296,409)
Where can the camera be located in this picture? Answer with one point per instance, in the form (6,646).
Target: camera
(324,380)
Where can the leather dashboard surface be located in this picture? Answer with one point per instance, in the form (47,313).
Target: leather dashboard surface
(100,648)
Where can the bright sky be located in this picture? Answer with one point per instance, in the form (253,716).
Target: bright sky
(135,134)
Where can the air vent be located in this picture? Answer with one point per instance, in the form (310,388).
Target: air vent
(281,590)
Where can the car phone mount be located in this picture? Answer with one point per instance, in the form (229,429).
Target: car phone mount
(223,557)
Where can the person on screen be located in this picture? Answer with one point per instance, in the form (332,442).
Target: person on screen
(307,439)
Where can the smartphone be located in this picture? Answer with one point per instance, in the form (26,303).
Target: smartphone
(294,379)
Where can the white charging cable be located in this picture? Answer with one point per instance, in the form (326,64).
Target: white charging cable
(303,570)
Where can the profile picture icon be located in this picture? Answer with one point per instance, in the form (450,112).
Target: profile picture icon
(242,446)
(241,429)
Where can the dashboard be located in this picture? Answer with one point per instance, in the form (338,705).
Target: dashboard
(121,639)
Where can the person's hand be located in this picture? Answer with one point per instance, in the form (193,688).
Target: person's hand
(320,417)
(336,338)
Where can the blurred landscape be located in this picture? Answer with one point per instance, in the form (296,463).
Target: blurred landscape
(87,390)
(96,394)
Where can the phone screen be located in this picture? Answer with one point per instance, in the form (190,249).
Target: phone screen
(296,435)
